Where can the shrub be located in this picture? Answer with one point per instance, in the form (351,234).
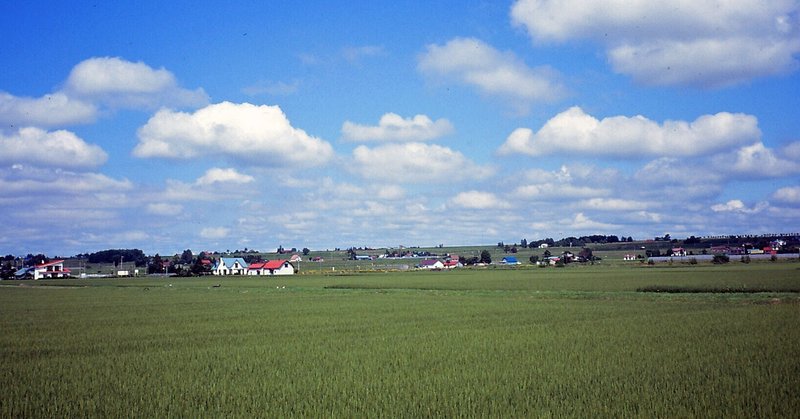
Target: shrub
(693,261)
(745,259)
(720,259)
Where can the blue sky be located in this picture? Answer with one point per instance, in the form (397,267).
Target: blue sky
(323,124)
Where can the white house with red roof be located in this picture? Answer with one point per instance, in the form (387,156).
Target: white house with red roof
(49,270)
(271,267)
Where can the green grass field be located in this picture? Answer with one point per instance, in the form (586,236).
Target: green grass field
(578,342)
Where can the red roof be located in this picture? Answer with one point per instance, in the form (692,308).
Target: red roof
(270,264)
(51,263)
(274,264)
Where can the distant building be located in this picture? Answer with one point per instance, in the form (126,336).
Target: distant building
(629,257)
(230,266)
(452,263)
(431,264)
(271,267)
(510,260)
(49,270)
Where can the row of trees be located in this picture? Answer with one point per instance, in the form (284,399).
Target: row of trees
(567,241)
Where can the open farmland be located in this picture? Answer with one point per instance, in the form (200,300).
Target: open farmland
(578,341)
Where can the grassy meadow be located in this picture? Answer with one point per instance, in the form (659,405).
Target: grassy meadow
(577,341)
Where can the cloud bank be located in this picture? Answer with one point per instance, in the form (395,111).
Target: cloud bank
(574,131)
(700,43)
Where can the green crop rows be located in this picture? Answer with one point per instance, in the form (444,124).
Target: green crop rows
(500,343)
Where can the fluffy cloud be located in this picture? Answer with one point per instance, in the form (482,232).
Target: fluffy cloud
(217,175)
(737,206)
(52,149)
(260,135)
(56,109)
(574,131)
(393,127)
(789,195)
(123,83)
(700,43)
(415,162)
(496,73)
(756,160)
(94,83)
(478,200)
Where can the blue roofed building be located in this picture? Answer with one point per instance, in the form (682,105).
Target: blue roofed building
(510,260)
(230,266)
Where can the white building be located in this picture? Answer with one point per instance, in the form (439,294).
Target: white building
(230,266)
(272,267)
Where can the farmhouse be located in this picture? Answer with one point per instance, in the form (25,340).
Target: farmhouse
(629,256)
(452,263)
(431,264)
(678,251)
(49,270)
(230,266)
(271,267)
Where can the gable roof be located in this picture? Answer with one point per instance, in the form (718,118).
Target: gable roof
(270,264)
(229,262)
(510,259)
(274,264)
(51,263)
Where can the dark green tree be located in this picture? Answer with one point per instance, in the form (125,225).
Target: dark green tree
(187,256)
(486,257)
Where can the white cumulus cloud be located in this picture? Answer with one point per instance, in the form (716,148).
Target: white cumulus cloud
(575,131)
(259,135)
(415,162)
(701,43)
(756,160)
(119,82)
(502,74)
(788,194)
(737,206)
(53,149)
(393,127)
